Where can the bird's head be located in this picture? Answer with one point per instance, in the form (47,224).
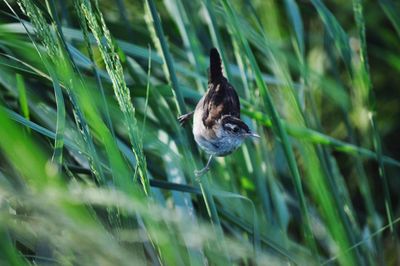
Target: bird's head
(235,128)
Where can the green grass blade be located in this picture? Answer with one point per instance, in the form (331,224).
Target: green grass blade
(278,127)
(22,96)
(50,42)
(181,105)
(336,32)
(59,143)
(121,91)
(188,34)
(216,36)
(168,61)
(366,82)
(393,13)
(89,48)
(316,137)
(292,9)
(364,241)
(9,254)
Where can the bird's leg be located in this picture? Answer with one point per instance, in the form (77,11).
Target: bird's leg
(184,118)
(201,172)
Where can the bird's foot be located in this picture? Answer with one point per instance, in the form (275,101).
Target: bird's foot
(184,118)
(200,173)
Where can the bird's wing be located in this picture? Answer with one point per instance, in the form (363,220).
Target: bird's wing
(221,99)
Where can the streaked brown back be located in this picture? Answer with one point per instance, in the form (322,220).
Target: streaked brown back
(221,98)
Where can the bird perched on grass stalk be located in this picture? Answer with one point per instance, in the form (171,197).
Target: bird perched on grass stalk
(217,127)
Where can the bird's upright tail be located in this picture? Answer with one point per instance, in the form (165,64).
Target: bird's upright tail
(215,65)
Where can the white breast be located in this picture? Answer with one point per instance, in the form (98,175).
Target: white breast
(199,130)
(220,144)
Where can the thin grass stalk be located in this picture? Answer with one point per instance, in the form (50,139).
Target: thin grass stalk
(124,16)
(89,48)
(260,181)
(115,71)
(188,34)
(52,45)
(9,254)
(359,168)
(59,144)
(146,105)
(327,205)
(64,67)
(179,100)
(372,235)
(159,39)
(181,200)
(61,113)
(216,37)
(337,33)
(65,14)
(256,233)
(279,129)
(253,151)
(316,137)
(365,75)
(338,190)
(39,129)
(293,12)
(247,154)
(244,71)
(178,96)
(392,12)
(360,173)
(23,102)
(264,239)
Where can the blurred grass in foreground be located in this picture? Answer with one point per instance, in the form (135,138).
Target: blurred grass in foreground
(95,169)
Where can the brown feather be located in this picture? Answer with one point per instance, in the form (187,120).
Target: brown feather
(221,98)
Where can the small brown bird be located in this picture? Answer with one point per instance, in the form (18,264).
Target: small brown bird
(217,127)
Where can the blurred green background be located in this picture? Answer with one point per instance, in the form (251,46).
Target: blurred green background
(95,169)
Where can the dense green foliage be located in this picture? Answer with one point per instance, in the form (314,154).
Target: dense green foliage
(96,170)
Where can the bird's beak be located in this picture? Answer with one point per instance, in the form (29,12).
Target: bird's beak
(254,135)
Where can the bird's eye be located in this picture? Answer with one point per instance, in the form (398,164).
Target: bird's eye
(236,129)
